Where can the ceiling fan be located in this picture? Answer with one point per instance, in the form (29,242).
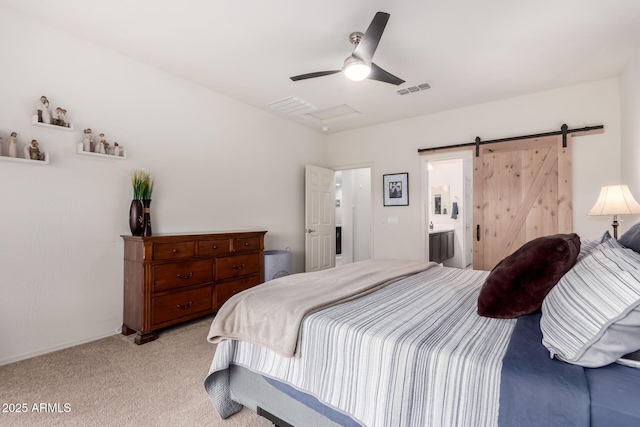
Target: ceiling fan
(358,65)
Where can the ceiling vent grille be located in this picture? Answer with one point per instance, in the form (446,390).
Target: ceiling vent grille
(413,89)
(335,113)
(292,106)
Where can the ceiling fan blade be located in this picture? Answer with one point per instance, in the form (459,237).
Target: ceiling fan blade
(369,43)
(312,75)
(381,75)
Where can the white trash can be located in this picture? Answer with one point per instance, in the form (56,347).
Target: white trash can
(276,264)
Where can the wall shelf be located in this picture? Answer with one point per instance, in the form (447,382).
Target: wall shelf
(80,150)
(35,122)
(26,161)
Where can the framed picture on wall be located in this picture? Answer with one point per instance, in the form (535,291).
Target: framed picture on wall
(396,189)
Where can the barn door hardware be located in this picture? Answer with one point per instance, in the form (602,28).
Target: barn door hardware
(564,132)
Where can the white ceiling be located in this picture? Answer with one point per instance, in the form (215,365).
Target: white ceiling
(470,51)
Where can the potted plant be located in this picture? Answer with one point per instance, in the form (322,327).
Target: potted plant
(139,212)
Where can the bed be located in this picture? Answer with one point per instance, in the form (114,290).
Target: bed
(411,349)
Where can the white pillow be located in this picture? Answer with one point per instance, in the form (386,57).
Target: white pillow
(592,316)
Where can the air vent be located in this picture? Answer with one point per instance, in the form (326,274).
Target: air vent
(335,113)
(292,106)
(413,89)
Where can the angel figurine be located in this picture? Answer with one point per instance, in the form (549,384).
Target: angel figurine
(13,145)
(116,149)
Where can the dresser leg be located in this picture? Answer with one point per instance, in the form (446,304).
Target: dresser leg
(127,330)
(144,338)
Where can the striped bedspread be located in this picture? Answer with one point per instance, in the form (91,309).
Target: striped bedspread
(414,353)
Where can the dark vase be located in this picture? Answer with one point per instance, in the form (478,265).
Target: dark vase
(147,217)
(136,218)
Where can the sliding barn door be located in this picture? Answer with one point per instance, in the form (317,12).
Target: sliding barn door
(522,190)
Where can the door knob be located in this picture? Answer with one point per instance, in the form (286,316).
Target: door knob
(308,230)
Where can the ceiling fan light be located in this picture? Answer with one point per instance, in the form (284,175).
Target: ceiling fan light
(357,71)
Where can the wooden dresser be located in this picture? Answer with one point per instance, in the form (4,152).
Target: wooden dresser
(169,279)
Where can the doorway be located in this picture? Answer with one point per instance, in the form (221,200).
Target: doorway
(447,205)
(353,215)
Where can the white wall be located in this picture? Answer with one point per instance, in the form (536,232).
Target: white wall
(392,148)
(219,165)
(630,130)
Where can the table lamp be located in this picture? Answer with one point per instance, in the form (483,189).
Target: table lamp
(615,200)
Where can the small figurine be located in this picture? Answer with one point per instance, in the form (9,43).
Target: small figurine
(86,142)
(13,145)
(100,144)
(116,149)
(34,151)
(43,110)
(63,117)
(1,146)
(60,117)
(56,117)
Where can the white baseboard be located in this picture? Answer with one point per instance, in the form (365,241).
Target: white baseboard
(40,352)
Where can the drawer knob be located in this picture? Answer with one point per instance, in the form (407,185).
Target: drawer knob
(186,306)
(175,251)
(238,267)
(246,243)
(215,246)
(188,276)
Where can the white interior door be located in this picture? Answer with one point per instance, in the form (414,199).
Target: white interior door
(320,226)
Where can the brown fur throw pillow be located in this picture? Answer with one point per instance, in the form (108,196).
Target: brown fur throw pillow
(520,282)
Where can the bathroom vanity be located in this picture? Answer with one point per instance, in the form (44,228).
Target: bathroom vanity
(440,245)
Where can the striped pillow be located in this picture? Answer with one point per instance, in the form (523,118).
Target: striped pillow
(588,245)
(592,316)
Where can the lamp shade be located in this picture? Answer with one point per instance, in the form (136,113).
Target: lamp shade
(615,200)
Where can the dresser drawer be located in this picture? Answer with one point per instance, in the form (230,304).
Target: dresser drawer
(162,251)
(179,274)
(246,244)
(237,265)
(213,247)
(225,291)
(180,304)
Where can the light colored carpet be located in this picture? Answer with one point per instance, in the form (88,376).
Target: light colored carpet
(114,382)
